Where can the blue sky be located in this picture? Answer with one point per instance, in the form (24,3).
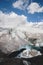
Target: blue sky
(8,6)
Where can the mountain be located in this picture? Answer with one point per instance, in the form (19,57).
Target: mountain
(12,39)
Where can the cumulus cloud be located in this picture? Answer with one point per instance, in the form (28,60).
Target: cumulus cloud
(24,5)
(34,7)
(21,4)
(11,20)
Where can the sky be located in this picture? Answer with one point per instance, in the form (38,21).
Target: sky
(28,10)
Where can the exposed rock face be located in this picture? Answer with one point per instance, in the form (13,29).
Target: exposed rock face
(22,61)
(30,53)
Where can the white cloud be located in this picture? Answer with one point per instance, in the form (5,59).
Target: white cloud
(11,20)
(21,4)
(34,7)
(14,20)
